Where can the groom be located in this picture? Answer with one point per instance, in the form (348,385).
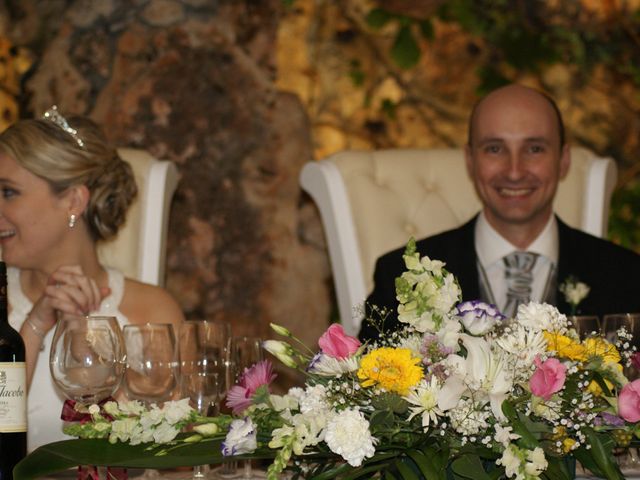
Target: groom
(516,249)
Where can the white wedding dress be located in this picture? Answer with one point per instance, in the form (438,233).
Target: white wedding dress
(44,401)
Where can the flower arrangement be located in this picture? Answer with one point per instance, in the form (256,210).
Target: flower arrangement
(460,392)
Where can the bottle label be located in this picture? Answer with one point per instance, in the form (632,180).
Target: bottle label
(13,397)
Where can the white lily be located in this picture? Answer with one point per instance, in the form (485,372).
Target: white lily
(482,372)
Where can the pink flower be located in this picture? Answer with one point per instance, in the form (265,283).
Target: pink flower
(335,343)
(240,396)
(635,360)
(629,401)
(548,378)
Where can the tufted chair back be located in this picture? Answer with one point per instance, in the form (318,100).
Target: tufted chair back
(372,202)
(139,249)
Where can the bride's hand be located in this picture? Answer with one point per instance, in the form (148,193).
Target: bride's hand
(70,291)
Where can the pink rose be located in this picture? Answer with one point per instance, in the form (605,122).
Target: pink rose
(635,360)
(335,343)
(629,401)
(548,378)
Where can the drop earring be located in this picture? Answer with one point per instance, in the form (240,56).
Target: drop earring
(72,220)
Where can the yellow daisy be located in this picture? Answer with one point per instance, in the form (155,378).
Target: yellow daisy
(599,347)
(393,369)
(565,346)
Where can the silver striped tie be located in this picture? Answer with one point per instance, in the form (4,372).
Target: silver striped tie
(519,277)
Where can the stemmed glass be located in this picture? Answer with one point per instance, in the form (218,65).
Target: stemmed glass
(611,323)
(244,352)
(87,357)
(585,325)
(152,362)
(202,365)
(87,360)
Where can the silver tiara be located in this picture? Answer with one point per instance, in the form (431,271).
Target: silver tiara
(54,116)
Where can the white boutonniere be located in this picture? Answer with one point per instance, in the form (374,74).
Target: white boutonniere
(574,292)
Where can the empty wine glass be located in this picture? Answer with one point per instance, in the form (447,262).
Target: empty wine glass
(202,346)
(152,362)
(244,352)
(585,325)
(87,357)
(205,342)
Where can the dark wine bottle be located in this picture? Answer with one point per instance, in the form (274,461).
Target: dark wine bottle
(13,390)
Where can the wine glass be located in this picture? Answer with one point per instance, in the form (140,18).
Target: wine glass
(585,325)
(244,352)
(87,357)
(206,342)
(629,461)
(152,362)
(203,346)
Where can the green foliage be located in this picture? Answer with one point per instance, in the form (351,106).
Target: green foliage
(405,51)
(525,36)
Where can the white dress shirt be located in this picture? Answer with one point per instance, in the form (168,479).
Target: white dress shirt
(491,248)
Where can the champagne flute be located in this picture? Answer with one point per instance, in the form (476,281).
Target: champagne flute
(87,357)
(202,346)
(244,352)
(152,361)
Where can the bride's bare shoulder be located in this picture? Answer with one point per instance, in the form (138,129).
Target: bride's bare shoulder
(143,303)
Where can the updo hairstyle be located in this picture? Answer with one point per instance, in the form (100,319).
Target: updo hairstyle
(46,150)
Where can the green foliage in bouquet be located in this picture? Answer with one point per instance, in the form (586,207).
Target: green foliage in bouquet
(461,392)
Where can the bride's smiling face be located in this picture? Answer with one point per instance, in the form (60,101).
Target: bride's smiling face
(33,219)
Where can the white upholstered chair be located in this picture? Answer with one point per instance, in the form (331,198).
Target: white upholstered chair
(373,202)
(139,249)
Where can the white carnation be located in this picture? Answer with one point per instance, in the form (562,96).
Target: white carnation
(541,316)
(314,400)
(348,435)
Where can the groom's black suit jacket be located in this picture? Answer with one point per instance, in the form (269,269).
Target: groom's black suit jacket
(612,272)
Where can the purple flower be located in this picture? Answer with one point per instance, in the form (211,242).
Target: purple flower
(612,420)
(241,438)
(478,317)
(432,350)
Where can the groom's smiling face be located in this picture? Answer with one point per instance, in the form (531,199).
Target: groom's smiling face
(515,158)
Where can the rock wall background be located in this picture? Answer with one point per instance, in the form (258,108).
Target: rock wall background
(241,93)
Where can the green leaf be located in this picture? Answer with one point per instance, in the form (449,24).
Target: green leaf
(426,29)
(601,451)
(469,466)
(405,51)
(428,469)
(406,471)
(527,440)
(557,469)
(378,18)
(59,456)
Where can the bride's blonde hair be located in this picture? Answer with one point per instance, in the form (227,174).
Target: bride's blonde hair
(53,154)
